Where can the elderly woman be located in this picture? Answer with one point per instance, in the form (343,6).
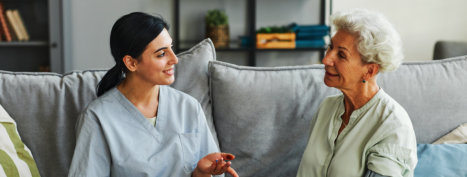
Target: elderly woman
(363,131)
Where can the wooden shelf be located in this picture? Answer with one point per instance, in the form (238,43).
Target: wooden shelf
(24,44)
(181,45)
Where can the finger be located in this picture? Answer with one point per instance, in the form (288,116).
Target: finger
(232,172)
(225,167)
(227,156)
(213,167)
(219,164)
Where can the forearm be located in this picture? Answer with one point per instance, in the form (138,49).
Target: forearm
(370,173)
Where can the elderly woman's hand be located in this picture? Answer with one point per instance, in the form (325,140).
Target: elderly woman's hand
(215,164)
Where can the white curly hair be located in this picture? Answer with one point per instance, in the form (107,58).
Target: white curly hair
(378,41)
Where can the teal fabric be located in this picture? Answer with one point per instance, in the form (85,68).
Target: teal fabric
(441,160)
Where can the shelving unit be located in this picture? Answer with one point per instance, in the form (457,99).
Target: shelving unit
(181,45)
(42,19)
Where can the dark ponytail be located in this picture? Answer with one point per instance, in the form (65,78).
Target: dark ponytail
(130,35)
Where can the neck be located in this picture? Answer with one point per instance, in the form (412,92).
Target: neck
(356,98)
(139,93)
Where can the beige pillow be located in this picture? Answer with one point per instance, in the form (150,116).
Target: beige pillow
(15,158)
(457,136)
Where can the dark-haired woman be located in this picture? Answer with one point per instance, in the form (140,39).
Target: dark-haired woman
(138,126)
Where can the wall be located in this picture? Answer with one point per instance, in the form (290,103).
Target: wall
(420,22)
(87,25)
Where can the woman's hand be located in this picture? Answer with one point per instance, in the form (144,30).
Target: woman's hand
(214,164)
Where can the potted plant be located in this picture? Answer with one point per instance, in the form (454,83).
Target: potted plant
(217,28)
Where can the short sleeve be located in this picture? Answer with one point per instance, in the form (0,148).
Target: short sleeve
(390,160)
(91,156)
(396,153)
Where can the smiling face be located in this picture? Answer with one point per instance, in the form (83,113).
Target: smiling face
(343,64)
(156,63)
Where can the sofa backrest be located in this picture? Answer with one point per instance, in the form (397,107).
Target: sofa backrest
(45,107)
(263,114)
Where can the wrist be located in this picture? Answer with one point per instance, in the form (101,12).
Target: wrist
(198,173)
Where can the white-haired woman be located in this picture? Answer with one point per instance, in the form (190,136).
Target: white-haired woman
(363,131)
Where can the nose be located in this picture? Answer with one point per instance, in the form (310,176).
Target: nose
(173,59)
(327,60)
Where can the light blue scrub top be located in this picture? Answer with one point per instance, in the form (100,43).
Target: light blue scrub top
(115,139)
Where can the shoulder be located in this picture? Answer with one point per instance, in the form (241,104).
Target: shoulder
(332,101)
(392,111)
(105,102)
(179,96)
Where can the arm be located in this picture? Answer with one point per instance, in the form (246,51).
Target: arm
(91,156)
(370,173)
(213,161)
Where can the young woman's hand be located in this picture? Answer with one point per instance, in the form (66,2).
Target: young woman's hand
(215,164)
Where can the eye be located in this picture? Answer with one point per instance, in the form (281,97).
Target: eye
(161,55)
(329,47)
(341,55)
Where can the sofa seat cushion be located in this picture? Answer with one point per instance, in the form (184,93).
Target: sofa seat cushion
(262,115)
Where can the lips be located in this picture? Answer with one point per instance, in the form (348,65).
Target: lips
(169,71)
(331,74)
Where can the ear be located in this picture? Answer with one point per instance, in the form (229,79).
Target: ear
(130,63)
(372,70)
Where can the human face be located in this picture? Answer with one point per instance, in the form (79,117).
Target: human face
(343,64)
(156,63)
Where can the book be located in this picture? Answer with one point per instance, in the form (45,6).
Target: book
(22,28)
(14,25)
(5,30)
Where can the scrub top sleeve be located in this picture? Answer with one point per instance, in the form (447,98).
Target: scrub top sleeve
(91,156)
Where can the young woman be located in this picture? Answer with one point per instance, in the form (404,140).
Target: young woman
(138,126)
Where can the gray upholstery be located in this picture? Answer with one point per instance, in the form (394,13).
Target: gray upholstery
(191,76)
(447,49)
(262,115)
(45,106)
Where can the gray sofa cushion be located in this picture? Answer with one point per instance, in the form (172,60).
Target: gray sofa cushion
(433,94)
(45,106)
(262,115)
(191,76)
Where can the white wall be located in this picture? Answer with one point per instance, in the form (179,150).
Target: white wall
(420,22)
(87,26)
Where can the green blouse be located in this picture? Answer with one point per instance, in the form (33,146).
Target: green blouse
(379,137)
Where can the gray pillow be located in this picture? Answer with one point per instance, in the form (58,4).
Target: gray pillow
(262,114)
(191,76)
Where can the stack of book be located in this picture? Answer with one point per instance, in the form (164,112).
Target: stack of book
(11,25)
(310,36)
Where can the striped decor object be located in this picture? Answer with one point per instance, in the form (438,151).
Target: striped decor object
(15,158)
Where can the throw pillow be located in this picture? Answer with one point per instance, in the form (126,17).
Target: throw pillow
(15,158)
(457,136)
(191,76)
(441,160)
(263,114)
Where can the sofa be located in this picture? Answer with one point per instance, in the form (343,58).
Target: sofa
(260,114)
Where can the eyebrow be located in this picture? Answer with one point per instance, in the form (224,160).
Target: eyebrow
(348,51)
(162,48)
